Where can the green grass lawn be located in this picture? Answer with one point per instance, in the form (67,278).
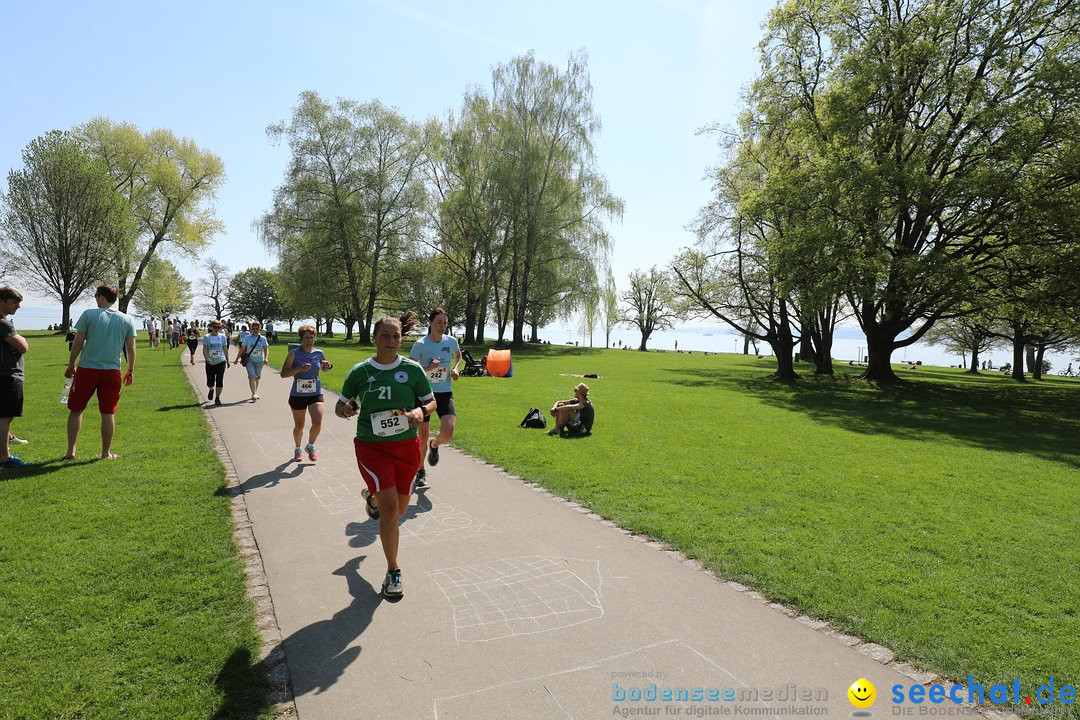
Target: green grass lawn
(121,591)
(939,518)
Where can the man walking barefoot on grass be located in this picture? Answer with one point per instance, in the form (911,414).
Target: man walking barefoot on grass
(12,348)
(101,334)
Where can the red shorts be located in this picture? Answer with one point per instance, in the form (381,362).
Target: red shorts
(88,380)
(392,463)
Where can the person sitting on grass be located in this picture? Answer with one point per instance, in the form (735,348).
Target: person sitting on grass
(574,418)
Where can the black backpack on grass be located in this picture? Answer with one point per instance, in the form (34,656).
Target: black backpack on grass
(534,419)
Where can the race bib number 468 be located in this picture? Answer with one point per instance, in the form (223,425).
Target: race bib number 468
(389,422)
(305,386)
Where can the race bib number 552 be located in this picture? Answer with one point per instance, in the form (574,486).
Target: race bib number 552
(389,422)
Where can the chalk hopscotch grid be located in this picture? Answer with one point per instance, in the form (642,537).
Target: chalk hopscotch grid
(517,596)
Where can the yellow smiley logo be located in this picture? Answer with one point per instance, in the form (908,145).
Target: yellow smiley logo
(862,693)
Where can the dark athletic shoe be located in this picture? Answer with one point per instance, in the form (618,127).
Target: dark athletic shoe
(391,587)
(372,511)
(421,479)
(432,455)
(15,461)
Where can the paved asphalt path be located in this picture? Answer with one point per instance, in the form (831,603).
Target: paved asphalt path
(517,604)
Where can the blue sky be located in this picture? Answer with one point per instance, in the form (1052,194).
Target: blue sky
(220,72)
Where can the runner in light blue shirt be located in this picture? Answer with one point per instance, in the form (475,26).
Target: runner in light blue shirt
(256,348)
(439,355)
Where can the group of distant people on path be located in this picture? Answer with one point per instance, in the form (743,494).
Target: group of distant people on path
(391,397)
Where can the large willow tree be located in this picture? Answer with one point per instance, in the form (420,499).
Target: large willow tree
(553,196)
(353,192)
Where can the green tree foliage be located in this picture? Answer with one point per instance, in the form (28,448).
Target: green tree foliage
(353,194)
(168,184)
(254,294)
(650,303)
(968,335)
(467,214)
(314,222)
(922,115)
(553,197)
(394,202)
(163,290)
(61,219)
(898,159)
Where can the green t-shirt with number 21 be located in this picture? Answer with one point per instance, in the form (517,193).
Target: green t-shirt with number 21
(385,393)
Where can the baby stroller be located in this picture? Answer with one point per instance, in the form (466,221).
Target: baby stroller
(472,368)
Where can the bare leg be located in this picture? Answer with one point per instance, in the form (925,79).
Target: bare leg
(425,433)
(316,411)
(74,425)
(108,429)
(5,429)
(561,418)
(446,430)
(298,426)
(389,510)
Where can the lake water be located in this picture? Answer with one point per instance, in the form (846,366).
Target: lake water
(848,344)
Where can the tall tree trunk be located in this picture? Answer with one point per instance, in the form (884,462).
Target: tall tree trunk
(645,333)
(783,345)
(807,352)
(470,321)
(974,367)
(1036,374)
(481,324)
(1029,355)
(1018,353)
(820,331)
(879,362)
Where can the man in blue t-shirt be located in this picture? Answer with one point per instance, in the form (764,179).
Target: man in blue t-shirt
(101,334)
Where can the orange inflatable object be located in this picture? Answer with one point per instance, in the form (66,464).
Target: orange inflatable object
(499,364)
